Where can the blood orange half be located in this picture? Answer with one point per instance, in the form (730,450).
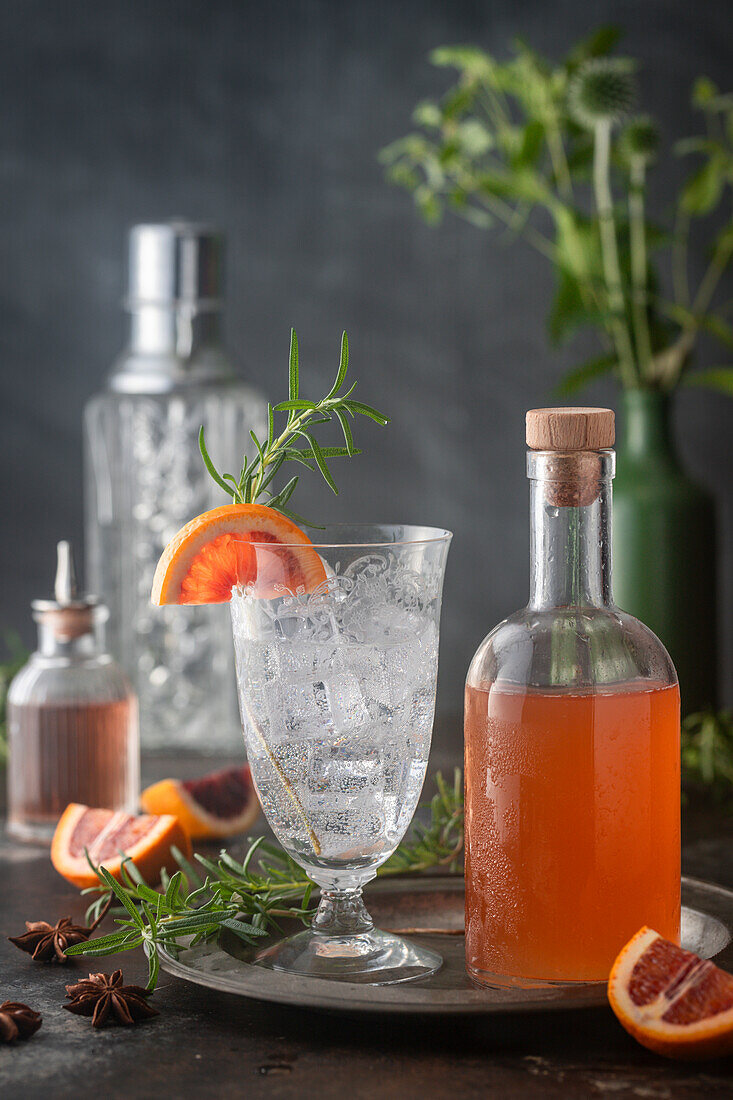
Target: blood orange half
(222,803)
(245,544)
(670,1000)
(105,834)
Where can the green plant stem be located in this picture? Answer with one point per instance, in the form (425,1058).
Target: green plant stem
(639,266)
(542,244)
(712,276)
(708,285)
(609,252)
(507,214)
(294,425)
(497,111)
(679,258)
(558,158)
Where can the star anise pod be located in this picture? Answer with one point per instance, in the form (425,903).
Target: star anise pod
(47,943)
(17,1021)
(107,1000)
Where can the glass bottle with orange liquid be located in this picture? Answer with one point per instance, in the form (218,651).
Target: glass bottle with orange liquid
(572,742)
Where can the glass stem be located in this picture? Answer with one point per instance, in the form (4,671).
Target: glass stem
(342,913)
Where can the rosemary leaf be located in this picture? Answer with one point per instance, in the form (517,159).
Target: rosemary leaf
(343,367)
(294,370)
(245,931)
(210,465)
(366,410)
(346,429)
(295,405)
(301,520)
(294,455)
(172,890)
(151,951)
(322,464)
(278,499)
(121,895)
(302,416)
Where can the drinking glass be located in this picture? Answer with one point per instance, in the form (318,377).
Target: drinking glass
(337,685)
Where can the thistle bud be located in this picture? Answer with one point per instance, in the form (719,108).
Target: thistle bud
(602,91)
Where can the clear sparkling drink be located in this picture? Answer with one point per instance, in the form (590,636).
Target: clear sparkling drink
(337,730)
(336,647)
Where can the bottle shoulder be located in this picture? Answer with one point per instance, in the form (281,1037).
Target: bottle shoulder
(189,386)
(149,372)
(48,680)
(579,647)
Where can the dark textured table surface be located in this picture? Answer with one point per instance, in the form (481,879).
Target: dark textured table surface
(207,1044)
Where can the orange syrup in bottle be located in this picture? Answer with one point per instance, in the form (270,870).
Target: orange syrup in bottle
(572,742)
(576,800)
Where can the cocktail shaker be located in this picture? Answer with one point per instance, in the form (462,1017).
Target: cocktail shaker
(144,479)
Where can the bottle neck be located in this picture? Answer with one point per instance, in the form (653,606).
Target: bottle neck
(179,331)
(646,424)
(65,639)
(570,531)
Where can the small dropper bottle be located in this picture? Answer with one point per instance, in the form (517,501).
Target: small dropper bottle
(72,716)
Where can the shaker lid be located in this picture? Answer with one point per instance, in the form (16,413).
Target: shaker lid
(570,429)
(176,262)
(71,613)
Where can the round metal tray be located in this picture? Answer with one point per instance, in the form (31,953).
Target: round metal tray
(402,905)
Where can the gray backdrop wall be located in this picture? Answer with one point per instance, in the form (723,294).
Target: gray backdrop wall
(267,118)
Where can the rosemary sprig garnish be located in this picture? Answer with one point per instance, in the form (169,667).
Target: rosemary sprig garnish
(257,474)
(249,898)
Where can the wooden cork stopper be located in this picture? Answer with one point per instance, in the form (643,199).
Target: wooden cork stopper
(570,429)
(570,465)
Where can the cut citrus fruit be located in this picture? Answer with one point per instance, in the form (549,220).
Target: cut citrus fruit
(670,1000)
(146,839)
(222,803)
(216,551)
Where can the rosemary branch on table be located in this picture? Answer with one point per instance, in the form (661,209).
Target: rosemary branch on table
(250,898)
(253,482)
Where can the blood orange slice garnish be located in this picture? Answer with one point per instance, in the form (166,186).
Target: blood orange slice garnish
(222,803)
(671,1000)
(147,839)
(236,544)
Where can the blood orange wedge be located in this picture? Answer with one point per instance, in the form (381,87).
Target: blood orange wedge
(247,544)
(222,803)
(147,839)
(672,1001)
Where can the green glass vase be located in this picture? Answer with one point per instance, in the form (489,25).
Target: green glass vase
(664,546)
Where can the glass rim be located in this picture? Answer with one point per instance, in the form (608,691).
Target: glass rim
(429,535)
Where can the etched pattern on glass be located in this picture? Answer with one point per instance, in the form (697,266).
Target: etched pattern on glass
(337,693)
(146,480)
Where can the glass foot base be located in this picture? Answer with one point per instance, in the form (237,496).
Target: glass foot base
(370,957)
(32,832)
(508,981)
